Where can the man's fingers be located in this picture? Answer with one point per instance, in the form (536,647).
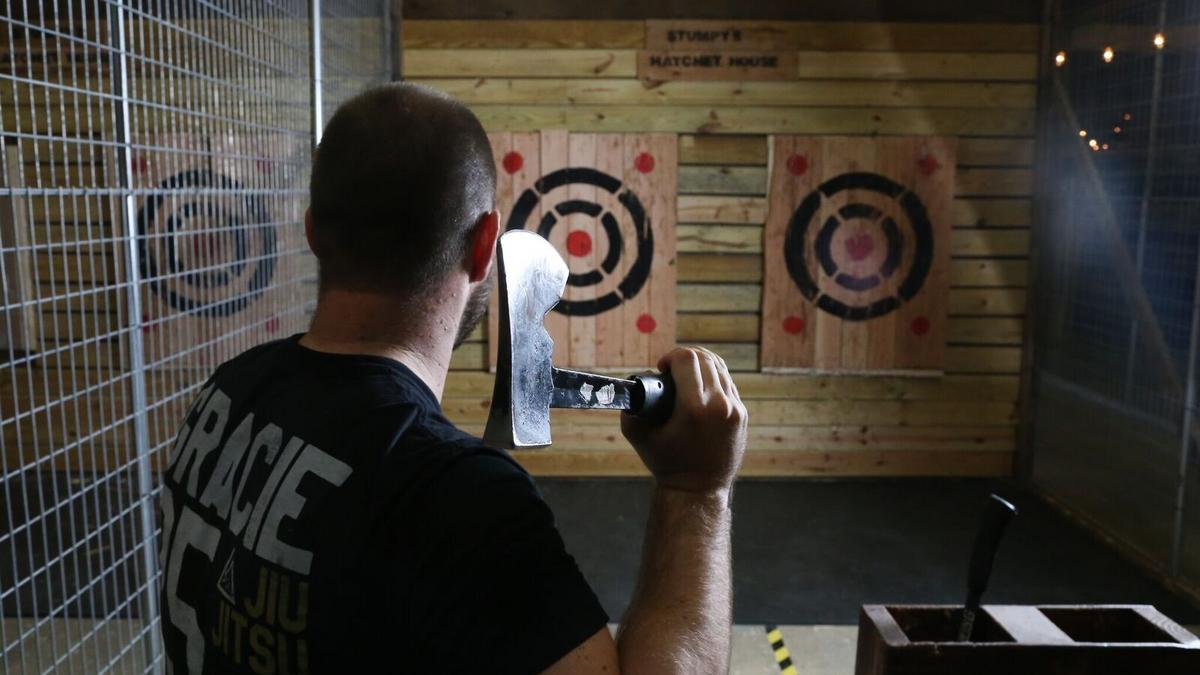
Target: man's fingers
(728,385)
(722,381)
(685,369)
(712,372)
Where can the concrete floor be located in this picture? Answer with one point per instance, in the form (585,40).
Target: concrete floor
(807,555)
(812,552)
(97,647)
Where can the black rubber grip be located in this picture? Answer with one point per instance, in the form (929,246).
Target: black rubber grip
(654,397)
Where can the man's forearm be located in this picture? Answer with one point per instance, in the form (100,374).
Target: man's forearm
(679,618)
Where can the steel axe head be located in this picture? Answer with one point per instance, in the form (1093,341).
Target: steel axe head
(532,277)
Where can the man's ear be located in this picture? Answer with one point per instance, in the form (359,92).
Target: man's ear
(483,246)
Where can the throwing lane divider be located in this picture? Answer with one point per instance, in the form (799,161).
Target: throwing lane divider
(782,656)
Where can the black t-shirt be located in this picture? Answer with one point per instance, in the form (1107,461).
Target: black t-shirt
(321,515)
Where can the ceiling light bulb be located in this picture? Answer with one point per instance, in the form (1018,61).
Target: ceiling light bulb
(1108,54)
(1159,40)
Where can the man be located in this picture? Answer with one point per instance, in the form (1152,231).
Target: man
(320,514)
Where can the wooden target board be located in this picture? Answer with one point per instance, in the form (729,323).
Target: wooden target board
(607,203)
(857,254)
(219,238)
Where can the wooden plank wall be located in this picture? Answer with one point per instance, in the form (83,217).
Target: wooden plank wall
(971,81)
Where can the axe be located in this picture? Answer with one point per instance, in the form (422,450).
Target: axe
(532,278)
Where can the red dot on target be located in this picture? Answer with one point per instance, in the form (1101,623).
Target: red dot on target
(920,325)
(793,325)
(263,165)
(797,165)
(928,164)
(140,164)
(579,243)
(272,324)
(646,323)
(644,162)
(512,162)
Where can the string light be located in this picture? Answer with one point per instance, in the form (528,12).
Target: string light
(1060,58)
(1126,117)
(1108,54)
(1159,40)
(1116,130)
(1104,147)
(1083,133)
(1094,144)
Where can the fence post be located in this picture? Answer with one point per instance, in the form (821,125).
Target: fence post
(314,41)
(1185,436)
(1147,191)
(118,17)
(394,13)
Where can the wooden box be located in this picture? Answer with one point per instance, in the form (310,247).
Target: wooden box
(1029,640)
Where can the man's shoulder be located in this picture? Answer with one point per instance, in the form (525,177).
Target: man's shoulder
(465,457)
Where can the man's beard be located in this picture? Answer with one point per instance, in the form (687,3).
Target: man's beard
(477,305)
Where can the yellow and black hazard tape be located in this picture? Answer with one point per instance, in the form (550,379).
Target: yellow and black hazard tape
(782,656)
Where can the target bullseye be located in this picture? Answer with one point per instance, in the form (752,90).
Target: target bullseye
(860,247)
(579,243)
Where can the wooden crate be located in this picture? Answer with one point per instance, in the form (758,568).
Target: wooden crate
(1042,640)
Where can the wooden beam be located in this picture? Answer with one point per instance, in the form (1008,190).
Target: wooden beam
(481,89)
(756,385)
(757,120)
(785,463)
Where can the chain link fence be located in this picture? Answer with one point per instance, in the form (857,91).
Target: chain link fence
(153,180)
(1116,315)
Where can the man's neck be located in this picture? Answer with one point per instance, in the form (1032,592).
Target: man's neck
(419,336)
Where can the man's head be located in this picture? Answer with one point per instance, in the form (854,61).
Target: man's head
(402,183)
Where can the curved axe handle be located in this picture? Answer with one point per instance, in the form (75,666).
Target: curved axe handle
(653,399)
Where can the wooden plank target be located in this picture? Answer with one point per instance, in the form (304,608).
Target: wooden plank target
(607,203)
(220,245)
(857,254)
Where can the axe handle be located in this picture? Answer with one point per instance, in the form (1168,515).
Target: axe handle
(654,397)
(648,395)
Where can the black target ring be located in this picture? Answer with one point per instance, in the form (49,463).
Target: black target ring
(640,270)
(805,214)
(251,210)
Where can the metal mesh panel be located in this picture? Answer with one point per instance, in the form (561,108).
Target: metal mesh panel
(355,50)
(1118,250)
(152,188)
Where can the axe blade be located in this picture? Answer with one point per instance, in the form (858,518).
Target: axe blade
(532,276)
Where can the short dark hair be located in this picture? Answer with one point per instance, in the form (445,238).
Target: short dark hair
(401,175)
